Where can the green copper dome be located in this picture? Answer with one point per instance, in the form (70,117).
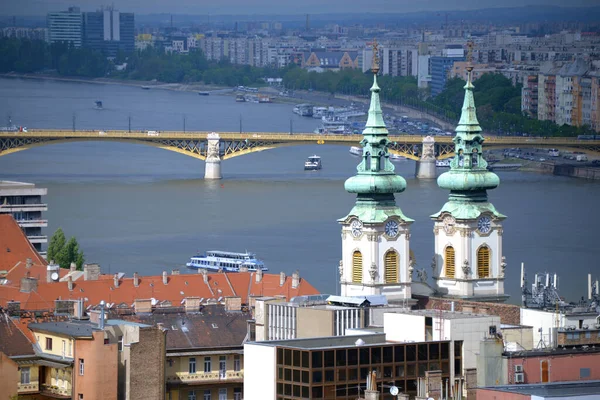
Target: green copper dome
(376,171)
(468,178)
(375,182)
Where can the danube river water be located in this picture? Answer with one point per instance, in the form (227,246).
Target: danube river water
(139,209)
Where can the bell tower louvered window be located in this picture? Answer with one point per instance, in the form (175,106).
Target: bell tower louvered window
(483,262)
(357,267)
(449,262)
(391,267)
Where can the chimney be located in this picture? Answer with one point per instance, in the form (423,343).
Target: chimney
(13,308)
(70,283)
(142,306)
(165,278)
(116,280)
(281,278)
(73,267)
(91,272)
(259,275)
(205,276)
(296,279)
(28,263)
(233,303)
(28,284)
(175,271)
(52,273)
(192,304)
(136,279)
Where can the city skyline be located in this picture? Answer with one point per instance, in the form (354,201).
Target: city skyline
(239,7)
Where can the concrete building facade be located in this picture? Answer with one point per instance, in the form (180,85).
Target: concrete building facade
(66,26)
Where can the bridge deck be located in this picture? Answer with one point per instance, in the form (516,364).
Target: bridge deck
(515,141)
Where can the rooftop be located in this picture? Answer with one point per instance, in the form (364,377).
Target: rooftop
(327,342)
(557,389)
(211,327)
(444,314)
(15,249)
(75,329)
(13,341)
(16,185)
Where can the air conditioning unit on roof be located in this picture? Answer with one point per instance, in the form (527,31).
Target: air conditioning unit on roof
(518,368)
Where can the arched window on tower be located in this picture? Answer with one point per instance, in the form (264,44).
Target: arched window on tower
(367,161)
(382,161)
(475,158)
(357,267)
(483,262)
(391,267)
(449,262)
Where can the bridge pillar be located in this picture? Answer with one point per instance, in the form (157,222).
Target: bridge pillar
(425,168)
(212,169)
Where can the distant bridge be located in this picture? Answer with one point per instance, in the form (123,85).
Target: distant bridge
(233,144)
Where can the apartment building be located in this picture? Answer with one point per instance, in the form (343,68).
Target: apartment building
(400,61)
(66,26)
(109,31)
(24,202)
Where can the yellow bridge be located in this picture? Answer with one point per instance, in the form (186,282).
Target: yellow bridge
(231,144)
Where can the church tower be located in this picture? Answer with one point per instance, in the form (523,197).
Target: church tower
(375,234)
(468,261)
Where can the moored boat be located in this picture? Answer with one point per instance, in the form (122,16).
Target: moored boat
(216,260)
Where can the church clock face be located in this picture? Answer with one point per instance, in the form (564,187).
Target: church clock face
(391,228)
(484,224)
(356,228)
(449,224)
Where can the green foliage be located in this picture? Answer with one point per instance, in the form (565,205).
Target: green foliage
(57,242)
(26,56)
(65,253)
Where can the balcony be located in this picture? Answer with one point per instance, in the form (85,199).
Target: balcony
(38,239)
(55,392)
(205,378)
(26,388)
(31,223)
(23,207)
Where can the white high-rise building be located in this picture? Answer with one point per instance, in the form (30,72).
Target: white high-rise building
(65,26)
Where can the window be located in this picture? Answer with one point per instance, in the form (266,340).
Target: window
(25,375)
(207,395)
(237,363)
(48,343)
(192,366)
(483,262)
(222,366)
(120,346)
(81,366)
(223,394)
(357,269)
(391,267)
(70,348)
(80,396)
(449,262)
(64,348)
(237,393)
(192,395)
(207,365)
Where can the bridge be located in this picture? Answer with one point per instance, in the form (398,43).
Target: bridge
(214,149)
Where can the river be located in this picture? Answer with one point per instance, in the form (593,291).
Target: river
(140,209)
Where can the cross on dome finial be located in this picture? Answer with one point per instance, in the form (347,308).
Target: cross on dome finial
(375,63)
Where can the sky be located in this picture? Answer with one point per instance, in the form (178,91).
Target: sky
(240,7)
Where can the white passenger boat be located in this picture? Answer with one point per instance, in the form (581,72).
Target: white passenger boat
(356,151)
(217,260)
(313,163)
(443,163)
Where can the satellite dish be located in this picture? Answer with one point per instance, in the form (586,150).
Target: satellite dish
(394,391)
(54,276)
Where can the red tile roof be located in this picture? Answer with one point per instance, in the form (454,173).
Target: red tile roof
(15,249)
(178,287)
(13,341)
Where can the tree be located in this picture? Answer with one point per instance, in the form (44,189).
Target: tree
(57,242)
(64,253)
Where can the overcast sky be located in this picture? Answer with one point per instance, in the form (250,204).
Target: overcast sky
(238,7)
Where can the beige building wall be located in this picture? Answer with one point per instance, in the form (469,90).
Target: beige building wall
(312,322)
(523,335)
(9,376)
